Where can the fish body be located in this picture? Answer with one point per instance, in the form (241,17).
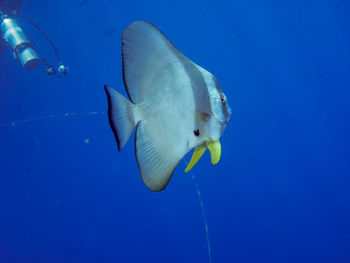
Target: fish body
(174,104)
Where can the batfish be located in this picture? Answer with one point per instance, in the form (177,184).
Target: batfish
(174,104)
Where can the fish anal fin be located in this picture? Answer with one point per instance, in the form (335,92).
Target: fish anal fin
(156,164)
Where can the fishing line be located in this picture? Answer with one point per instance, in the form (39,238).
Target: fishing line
(205,222)
(77,114)
(50,116)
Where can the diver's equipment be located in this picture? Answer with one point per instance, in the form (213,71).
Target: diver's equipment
(63,69)
(50,70)
(22,48)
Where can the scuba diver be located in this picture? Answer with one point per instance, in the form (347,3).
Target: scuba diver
(24,48)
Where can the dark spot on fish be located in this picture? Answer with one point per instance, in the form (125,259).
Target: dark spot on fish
(196,132)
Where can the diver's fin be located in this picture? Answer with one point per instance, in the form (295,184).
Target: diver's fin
(156,163)
(121,116)
(197,154)
(148,59)
(215,150)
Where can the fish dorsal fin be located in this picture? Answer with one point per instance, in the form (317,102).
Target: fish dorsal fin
(146,53)
(156,163)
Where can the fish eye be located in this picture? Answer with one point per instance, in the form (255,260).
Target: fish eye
(222,99)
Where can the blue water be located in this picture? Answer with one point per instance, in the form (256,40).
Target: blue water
(280,192)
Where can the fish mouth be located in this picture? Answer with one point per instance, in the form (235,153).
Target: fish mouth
(214,147)
(223,122)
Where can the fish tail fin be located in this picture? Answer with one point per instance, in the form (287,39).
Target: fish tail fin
(121,116)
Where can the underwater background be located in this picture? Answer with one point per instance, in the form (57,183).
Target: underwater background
(280,192)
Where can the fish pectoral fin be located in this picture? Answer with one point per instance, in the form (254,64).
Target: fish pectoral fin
(197,154)
(215,150)
(201,116)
